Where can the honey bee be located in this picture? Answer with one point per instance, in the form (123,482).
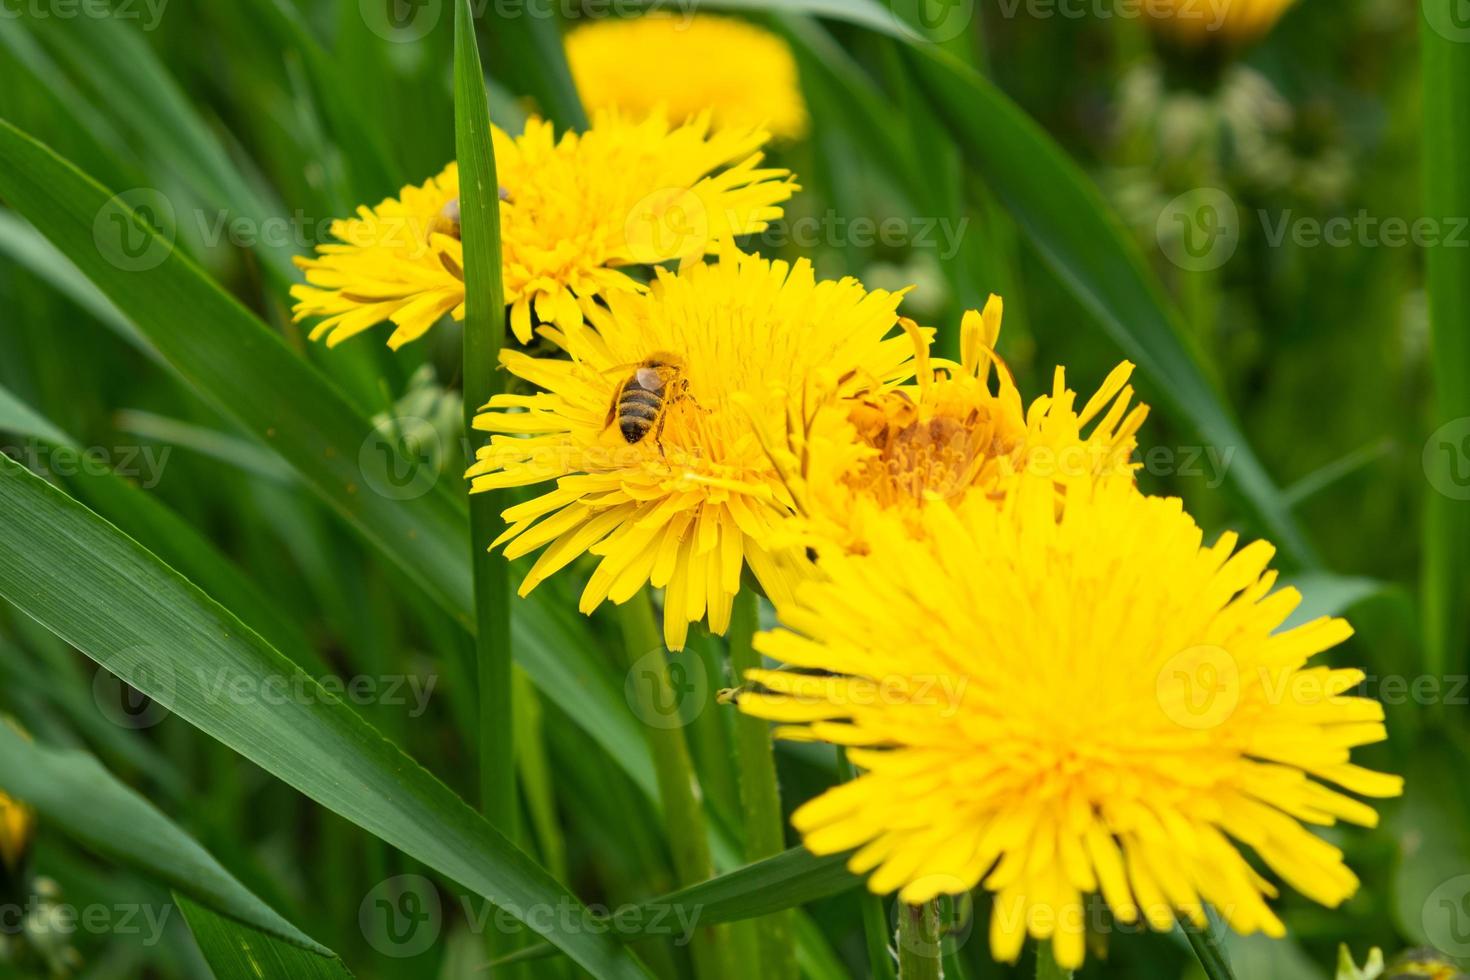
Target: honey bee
(642,401)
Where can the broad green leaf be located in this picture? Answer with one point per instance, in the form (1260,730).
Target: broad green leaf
(147,518)
(246,373)
(240,367)
(73,793)
(133,85)
(110,598)
(236,952)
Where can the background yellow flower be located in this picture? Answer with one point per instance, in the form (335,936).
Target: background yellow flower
(574,212)
(687,64)
(1059,706)
(1223,21)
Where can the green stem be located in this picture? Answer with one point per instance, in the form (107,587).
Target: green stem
(760,792)
(1046,963)
(484,326)
(919,942)
(875,923)
(1207,948)
(678,786)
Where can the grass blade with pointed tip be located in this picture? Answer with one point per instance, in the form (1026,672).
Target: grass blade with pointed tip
(792,878)
(235,952)
(72,792)
(113,600)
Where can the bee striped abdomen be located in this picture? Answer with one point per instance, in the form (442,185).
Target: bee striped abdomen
(638,410)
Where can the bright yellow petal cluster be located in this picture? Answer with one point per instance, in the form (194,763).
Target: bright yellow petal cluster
(698,498)
(574,212)
(17,829)
(960,430)
(1210,21)
(1060,705)
(745,75)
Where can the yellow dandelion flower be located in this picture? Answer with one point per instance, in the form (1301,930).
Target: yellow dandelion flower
(1053,707)
(574,213)
(1212,21)
(654,429)
(961,428)
(745,75)
(17,829)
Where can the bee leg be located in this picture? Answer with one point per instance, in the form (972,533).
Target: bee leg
(658,433)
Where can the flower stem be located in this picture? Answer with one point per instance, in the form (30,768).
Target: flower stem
(678,786)
(760,793)
(1206,947)
(875,924)
(1046,963)
(919,942)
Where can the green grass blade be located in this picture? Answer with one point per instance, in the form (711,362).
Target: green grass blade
(110,598)
(479,210)
(134,87)
(791,878)
(240,367)
(1446,129)
(251,377)
(73,793)
(1207,949)
(236,952)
